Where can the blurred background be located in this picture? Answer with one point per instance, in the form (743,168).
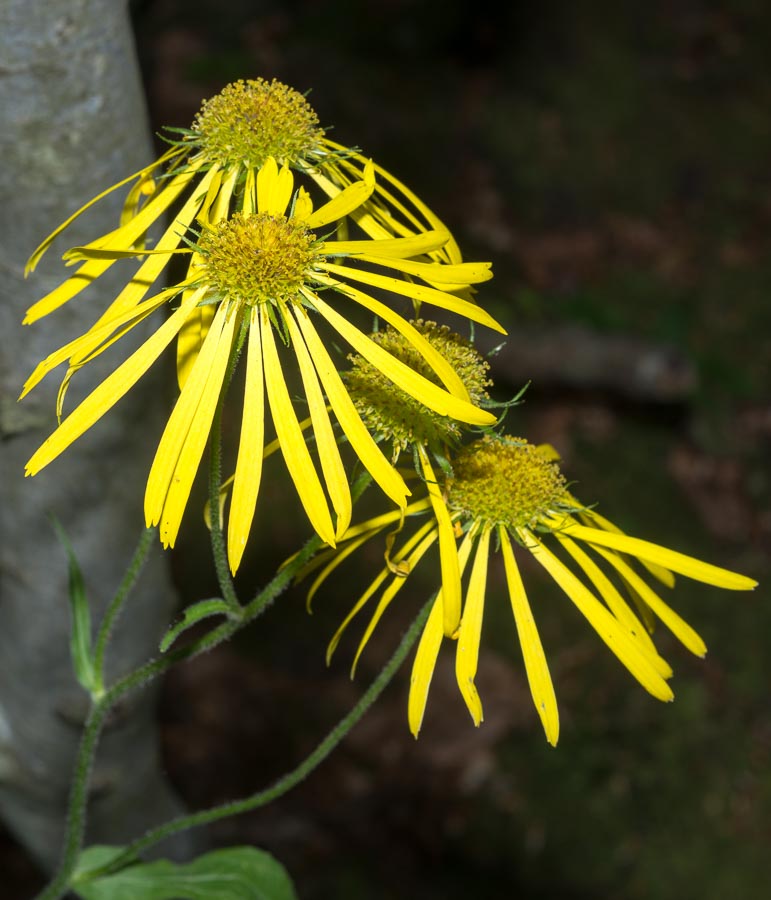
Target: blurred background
(612,161)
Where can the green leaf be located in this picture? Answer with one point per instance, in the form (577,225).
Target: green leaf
(80,638)
(201,610)
(235,873)
(96,856)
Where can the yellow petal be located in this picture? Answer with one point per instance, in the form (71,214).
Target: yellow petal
(191,336)
(107,394)
(303,205)
(122,237)
(669,559)
(135,228)
(680,628)
(419,292)
(548,452)
(424,216)
(88,346)
(274,188)
(591,517)
(152,267)
(197,436)
(331,464)
(77,254)
(142,190)
(616,603)
(396,248)
(427,529)
(386,476)
(397,583)
(390,518)
(191,340)
(212,192)
(536,667)
(248,202)
(86,275)
(246,483)
(214,210)
(360,603)
(349,199)
(402,375)
(218,211)
(290,436)
(337,557)
(433,273)
(451,249)
(178,425)
(423,668)
(141,175)
(470,631)
(626,648)
(444,371)
(95,337)
(448,551)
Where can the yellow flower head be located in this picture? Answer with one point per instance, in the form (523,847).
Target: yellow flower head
(249,121)
(209,173)
(255,274)
(398,418)
(511,493)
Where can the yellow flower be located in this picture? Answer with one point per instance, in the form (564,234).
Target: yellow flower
(399,420)
(208,172)
(511,493)
(404,423)
(258,273)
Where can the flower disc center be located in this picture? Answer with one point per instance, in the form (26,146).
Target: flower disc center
(248,121)
(505,482)
(394,415)
(258,259)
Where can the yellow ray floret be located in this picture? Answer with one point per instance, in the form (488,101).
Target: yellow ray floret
(246,482)
(536,667)
(255,271)
(470,630)
(506,489)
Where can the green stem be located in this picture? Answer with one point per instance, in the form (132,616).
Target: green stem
(76,810)
(288,781)
(75,823)
(116,605)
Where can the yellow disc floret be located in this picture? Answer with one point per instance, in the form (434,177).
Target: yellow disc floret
(392,413)
(257,258)
(505,481)
(248,121)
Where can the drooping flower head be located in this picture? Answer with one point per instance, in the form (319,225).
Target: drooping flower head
(208,173)
(509,494)
(256,275)
(400,421)
(238,185)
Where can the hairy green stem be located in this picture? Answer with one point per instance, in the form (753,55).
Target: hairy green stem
(103,700)
(285,783)
(116,605)
(76,811)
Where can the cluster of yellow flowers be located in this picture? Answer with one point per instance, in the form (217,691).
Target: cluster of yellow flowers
(290,238)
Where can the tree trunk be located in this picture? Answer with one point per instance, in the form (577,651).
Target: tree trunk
(72,122)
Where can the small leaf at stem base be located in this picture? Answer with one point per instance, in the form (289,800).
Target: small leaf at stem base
(80,637)
(235,873)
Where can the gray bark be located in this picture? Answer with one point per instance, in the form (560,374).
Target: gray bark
(72,122)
